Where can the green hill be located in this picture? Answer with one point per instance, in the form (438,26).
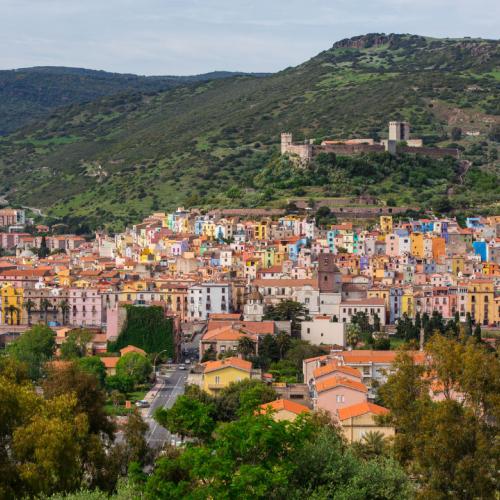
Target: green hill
(211,143)
(28,94)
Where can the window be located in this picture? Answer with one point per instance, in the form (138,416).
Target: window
(340,398)
(217,379)
(308,330)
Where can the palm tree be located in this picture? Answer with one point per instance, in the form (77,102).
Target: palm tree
(44,307)
(353,334)
(283,342)
(246,346)
(373,444)
(65,307)
(29,305)
(13,309)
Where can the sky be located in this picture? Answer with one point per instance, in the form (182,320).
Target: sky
(180,37)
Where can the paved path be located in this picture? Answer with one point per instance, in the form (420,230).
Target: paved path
(163,395)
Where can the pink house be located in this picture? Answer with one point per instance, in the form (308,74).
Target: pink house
(84,307)
(338,392)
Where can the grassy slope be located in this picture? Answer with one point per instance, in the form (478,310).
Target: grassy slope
(119,157)
(33,93)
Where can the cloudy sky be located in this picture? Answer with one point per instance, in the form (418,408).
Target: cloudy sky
(196,36)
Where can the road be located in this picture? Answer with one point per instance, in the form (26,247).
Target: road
(168,391)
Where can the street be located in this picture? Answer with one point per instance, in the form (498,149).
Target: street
(168,390)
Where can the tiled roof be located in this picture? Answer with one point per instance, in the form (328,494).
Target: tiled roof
(333,367)
(233,362)
(284,404)
(361,409)
(333,382)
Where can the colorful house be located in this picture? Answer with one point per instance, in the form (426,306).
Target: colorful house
(219,374)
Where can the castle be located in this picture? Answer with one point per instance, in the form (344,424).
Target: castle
(399,132)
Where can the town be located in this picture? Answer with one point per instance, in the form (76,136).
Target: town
(351,291)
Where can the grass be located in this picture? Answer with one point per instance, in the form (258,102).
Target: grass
(119,410)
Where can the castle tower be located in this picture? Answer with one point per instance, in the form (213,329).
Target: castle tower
(329,276)
(399,131)
(286,142)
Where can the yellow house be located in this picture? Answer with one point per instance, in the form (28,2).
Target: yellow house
(457,264)
(386,223)
(219,374)
(260,230)
(408,303)
(11,304)
(380,293)
(359,419)
(209,229)
(417,244)
(481,301)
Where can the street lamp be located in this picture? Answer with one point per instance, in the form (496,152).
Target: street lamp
(156,357)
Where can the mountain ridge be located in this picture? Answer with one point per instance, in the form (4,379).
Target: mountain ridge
(119,157)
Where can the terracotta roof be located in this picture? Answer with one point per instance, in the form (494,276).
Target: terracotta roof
(233,362)
(284,404)
(110,361)
(333,367)
(362,356)
(361,409)
(330,383)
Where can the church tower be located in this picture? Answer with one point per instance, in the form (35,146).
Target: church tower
(329,276)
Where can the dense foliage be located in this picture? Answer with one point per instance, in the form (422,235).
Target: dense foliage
(148,329)
(449,443)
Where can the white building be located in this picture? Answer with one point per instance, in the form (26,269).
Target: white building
(322,330)
(369,306)
(208,298)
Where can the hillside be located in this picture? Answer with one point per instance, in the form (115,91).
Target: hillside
(29,94)
(120,157)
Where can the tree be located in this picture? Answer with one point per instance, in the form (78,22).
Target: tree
(242,398)
(65,307)
(449,444)
(353,335)
(288,310)
(257,457)
(188,418)
(90,398)
(35,347)
(456,133)
(477,332)
(29,305)
(134,365)
(120,383)
(283,342)
(44,307)
(246,346)
(134,433)
(94,366)
(43,251)
(75,345)
(372,445)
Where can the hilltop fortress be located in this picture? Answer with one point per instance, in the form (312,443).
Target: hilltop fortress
(398,142)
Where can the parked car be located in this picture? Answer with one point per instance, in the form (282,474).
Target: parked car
(142,403)
(182,367)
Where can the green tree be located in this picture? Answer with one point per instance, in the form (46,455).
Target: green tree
(43,251)
(477,332)
(134,365)
(94,366)
(35,347)
(188,418)
(75,345)
(353,334)
(246,346)
(288,310)
(120,383)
